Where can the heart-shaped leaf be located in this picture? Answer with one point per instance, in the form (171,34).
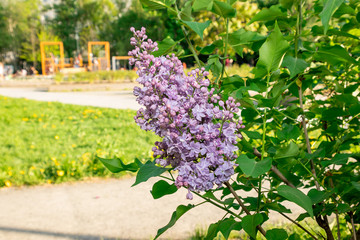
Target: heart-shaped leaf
(162,188)
(198,27)
(252,168)
(273,51)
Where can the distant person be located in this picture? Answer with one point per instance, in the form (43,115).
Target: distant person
(76,62)
(80,60)
(23,72)
(33,71)
(2,71)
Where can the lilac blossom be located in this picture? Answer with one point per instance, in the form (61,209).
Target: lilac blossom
(198,128)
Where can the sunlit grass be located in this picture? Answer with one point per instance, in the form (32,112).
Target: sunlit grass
(47,142)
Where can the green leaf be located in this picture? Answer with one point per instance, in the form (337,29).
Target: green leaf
(247,103)
(162,188)
(291,150)
(223,9)
(302,216)
(212,231)
(348,99)
(295,65)
(165,46)
(273,51)
(294,236)
(180,210)
(156,4)
(268,14)
(210,195)
(202,5)
(356,185)
(227,225)
(344,9)
(241,38)
(207,50)
(148,170)
(343,208)
(338,159)
(276,234)
(334,55)
(252,134)
(250,222)
(116,165)
(329,9)
(198,27)
(296,196)
(252,168)
(185,13)
(215,65)
(319,30)
(288,132)
(277,207)
(286,3)
(318,196)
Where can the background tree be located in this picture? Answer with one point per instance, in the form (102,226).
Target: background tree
(65,23)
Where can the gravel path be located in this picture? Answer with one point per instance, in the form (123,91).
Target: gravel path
(101,209)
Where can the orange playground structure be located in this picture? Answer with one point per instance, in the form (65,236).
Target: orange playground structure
(53,60)
(99,63)
(116,62)
(51,64)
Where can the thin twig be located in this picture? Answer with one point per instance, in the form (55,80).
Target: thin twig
(217,205)
(351,215)
(299,225)
(306,135)
(281,176)
(338,224)
(227,184)
(191,47)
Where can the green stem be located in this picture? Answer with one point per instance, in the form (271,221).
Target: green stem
(309,171)
(191,47)
(299,225)
(225,51)
(217,205)
(263,140)
(285,115)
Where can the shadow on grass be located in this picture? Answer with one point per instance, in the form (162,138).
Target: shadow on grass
(57,234)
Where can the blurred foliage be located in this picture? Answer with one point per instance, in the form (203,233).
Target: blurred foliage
(77,22)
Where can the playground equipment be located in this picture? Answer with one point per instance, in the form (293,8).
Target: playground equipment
(53,60)
(51,64)
(117,60)
(99,63)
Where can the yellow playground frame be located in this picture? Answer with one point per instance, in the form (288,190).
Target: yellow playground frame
(107,53)
(44,59)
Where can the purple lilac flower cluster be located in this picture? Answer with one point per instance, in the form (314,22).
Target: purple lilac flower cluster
(198,128)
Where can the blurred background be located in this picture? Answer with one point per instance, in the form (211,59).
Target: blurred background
(24,24)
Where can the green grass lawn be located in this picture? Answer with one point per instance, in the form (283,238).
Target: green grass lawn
(49,142)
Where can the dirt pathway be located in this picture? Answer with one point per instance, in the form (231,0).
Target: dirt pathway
(104,209)
(109,99)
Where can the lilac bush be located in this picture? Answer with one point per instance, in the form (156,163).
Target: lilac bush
(198,128)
